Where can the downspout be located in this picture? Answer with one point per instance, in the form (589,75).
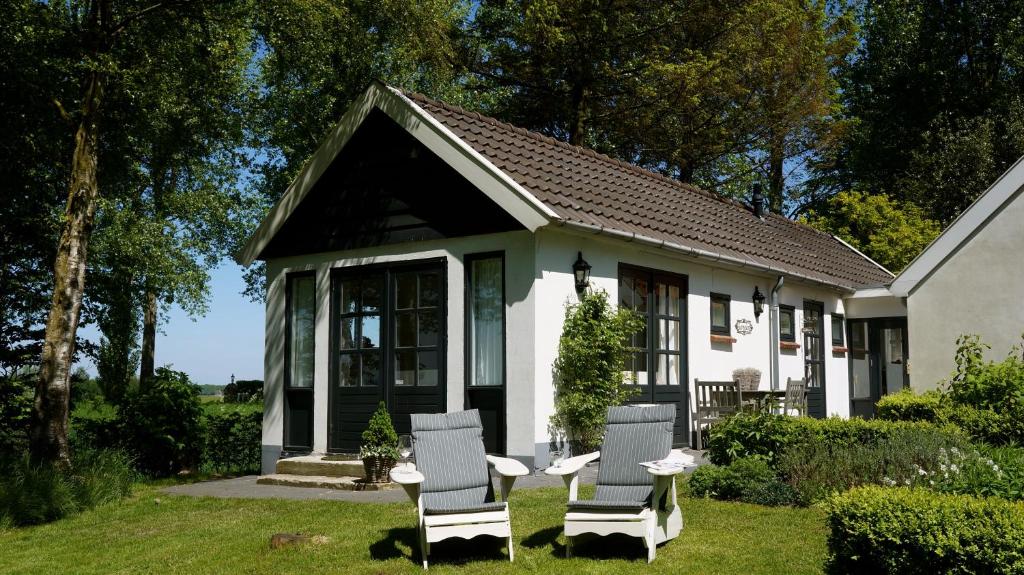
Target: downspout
(773,320)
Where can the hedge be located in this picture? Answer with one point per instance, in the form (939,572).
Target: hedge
(1002,427)
(917,531)
(766,436)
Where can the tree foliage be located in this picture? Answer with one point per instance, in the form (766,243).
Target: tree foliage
(589,368)
(935,90)
(889,232)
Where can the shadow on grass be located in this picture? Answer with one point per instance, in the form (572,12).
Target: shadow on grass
(590,546)
(450,551)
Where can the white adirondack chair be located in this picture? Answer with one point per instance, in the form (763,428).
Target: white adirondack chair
(630,498)
(451,485)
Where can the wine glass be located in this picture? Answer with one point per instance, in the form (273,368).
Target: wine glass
(405,450)
(557,456)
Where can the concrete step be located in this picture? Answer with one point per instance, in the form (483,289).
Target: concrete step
(315,465)
(323,482)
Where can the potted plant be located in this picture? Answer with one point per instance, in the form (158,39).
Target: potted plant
(379,450)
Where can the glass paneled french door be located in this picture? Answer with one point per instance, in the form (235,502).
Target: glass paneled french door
(485,345)
(814,357)
(387,341)
(657,369)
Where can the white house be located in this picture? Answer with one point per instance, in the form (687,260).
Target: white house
(424,257)
(970,280)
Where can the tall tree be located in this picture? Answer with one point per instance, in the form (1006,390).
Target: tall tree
(103,44)
(683,87)
(317,56)
(936,91)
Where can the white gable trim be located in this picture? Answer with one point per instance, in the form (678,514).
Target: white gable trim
(963,228)
(478,170)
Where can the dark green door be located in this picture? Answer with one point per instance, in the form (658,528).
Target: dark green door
(814,358)
(387,340)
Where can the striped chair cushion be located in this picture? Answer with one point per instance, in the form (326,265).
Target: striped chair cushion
(633,434)
(450,454)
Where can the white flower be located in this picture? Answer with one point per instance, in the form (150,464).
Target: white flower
(954,468)
(906,481)
(995,468)
(889,482)
(931,482)
(921,471)
(943,467)
(954,450)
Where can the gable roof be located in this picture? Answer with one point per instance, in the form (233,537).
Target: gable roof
(964,227)
(566,185)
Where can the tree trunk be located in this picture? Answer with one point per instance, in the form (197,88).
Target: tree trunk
(49,439)
(776,175)
(578,127)
(148,339)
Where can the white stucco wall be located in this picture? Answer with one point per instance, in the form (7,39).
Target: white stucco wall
(556,252)
(978,289)
(519,266)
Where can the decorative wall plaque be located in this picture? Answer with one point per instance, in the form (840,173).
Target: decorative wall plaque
(744,327)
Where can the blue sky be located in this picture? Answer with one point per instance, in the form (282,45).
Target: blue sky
(228,340)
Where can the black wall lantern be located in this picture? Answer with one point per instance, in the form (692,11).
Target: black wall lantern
(758,299)
(581,271)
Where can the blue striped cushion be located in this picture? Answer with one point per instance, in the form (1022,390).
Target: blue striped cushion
(450,454)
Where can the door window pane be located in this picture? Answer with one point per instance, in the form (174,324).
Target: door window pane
(348,370)
(371,369)
(668,335)
(486,322)
(405,291)
(373,290)
(405,329)
(430,292)
(346,331)
(427,373)
(301,330)
(428,324)
(349,296)
(405,368)
(369,332)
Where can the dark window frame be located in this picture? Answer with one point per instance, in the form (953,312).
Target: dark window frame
(841,341)
(791,310)
(727,300)
(288,389)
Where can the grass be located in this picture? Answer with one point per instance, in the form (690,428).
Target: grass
(152,532)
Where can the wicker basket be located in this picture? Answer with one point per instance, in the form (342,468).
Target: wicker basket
(749,378)
(377,468)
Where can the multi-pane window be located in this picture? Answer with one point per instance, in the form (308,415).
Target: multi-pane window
(417,325)
(720,314)
(668,348)
(837,330)
(359,336)
(787,323)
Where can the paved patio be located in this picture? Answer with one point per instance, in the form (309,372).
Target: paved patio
(247,488)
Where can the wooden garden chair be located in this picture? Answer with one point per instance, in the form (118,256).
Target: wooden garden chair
(451,485)
(716,400)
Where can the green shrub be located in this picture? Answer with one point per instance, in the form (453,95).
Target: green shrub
(231,440)
(767,436)
(162,424)
(1004,426)
(911,531)
(985,472)
(379,438)
(244,391)
(909,406)
(909,455)
(749,479)
(32,493)
(592,351)
(986,384)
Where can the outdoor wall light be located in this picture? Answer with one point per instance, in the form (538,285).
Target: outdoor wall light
(758,299)
(581,271)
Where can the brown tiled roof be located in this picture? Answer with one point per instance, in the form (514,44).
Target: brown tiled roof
(584,187)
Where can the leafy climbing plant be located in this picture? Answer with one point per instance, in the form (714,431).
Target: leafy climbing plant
(589,369)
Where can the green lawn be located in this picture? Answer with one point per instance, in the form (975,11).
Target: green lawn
(156,533)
